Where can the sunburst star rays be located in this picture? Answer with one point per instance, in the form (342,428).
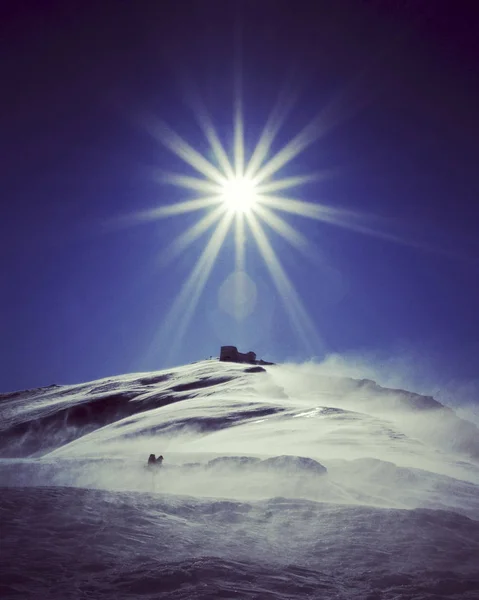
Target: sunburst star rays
(238,195)
(181,313)
(235,200)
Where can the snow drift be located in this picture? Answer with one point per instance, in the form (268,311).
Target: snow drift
(278,483)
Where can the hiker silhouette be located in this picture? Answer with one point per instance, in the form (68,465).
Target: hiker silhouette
(155,462)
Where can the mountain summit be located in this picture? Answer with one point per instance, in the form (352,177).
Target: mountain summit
(278,476)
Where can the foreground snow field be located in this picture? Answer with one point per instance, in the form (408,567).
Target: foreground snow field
(279,482)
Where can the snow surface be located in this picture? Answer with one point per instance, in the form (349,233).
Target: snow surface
(277,483)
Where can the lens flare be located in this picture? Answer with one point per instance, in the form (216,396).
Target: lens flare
(238,194)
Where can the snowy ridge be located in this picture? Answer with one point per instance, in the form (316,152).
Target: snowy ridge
(56,414)
(36,420)
(277,483)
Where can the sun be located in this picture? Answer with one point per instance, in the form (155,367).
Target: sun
(239,194)
(242,195)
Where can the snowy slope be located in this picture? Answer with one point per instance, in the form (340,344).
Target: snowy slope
(278,482)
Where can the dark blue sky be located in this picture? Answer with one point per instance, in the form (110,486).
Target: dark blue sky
(81,300)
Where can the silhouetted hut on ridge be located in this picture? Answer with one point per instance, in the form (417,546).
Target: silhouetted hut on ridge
(231,354)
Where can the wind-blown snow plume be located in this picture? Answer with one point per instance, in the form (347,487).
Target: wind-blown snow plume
(291,467)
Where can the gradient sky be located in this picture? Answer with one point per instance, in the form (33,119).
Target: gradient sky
(84,296)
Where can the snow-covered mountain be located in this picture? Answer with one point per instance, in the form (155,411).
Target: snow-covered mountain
(277,482)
